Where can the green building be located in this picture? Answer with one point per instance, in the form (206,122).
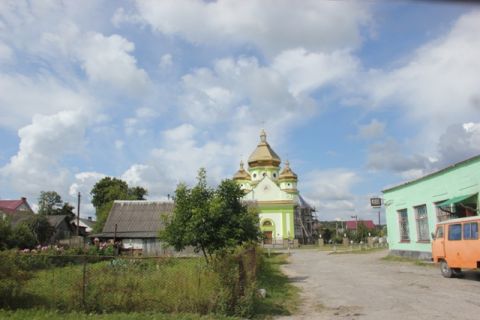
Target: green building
(284,214)
(413,208)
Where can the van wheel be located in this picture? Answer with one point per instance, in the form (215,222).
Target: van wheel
(445,269)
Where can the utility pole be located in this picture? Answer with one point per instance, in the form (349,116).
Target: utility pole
(78,214)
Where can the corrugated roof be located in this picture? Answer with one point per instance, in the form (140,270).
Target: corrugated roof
(136,217)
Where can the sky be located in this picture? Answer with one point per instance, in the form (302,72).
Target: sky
(357,95)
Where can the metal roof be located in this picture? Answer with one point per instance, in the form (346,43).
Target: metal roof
(137,218)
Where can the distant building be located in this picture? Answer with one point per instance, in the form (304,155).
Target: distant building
(352,225)
(136,224)
(15,206)
(284,214)
(413,208)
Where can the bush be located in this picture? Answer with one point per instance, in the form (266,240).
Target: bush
(12,280)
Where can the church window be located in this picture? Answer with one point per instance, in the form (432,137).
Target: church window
(264,174)
(254,175)
(289,184)
(267,223)
(274,175)
(241,185)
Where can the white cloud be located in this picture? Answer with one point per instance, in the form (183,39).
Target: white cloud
(306,71)
(166,61)
(459,142)
(375,129)
(330,191)
(45,94)
(6,54)
(272,26)
(391,155)
(438,86)
(43,143)
(108,60)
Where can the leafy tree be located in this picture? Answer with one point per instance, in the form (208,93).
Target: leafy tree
(107,190)
(5,232)
(49,202)
(40,228)
(22,236)
(210,220)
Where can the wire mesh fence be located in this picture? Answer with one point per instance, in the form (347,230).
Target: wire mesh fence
(117,283)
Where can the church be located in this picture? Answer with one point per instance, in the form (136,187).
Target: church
(284,215)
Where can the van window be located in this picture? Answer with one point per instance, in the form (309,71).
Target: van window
(439,234)
(455,232)
(470,231)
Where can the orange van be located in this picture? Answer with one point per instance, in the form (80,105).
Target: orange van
(456,245)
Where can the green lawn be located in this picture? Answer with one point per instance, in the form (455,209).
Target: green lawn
(282,297)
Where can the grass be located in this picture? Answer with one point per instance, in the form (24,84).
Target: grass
(55,315)
(176,285)
(282,297)
(392,258)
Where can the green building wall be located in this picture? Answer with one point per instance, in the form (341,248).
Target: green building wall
(460,179)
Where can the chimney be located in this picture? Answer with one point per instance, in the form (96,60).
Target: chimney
(24,199)
(89,218)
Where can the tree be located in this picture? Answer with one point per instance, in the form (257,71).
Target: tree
(49,202)
(40,228)
(107,190)
(210,220)
(5,232)
(22,236)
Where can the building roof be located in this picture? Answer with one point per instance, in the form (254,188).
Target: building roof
(451,167)
(263,155)
(55,220)
(287,173)
(9,206)
(136,219)
(352,224)
(242,174)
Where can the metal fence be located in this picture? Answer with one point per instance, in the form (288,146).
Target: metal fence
(109,283)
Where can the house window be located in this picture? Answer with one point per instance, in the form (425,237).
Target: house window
(403,225)
(470,231)
(455,232)
(422,223)
(442,215)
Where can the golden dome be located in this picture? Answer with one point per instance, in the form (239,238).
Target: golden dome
(263,155)
(287,173)
(242,174)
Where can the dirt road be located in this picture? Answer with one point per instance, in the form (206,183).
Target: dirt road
(362,286)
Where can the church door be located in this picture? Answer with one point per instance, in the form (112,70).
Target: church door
(267,237)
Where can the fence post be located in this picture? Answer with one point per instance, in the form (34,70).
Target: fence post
(84,283)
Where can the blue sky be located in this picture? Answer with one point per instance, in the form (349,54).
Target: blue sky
(358,95)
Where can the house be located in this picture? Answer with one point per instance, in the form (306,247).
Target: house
(283,213)
(62,227)
(136,224)
(15,206)
(413,208)
(85,225)
(352,225)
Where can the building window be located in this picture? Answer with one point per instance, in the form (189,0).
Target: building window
(470,231)
(254,175)
(403,224)
(264,174)
(422,223)
(274,175)
(442,215)
(455,232)
(267,223)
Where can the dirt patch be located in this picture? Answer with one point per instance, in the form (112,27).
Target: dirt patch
(366,287)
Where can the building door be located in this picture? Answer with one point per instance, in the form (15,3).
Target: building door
(267,237)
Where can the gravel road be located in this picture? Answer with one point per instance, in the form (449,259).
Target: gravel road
(362,286)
